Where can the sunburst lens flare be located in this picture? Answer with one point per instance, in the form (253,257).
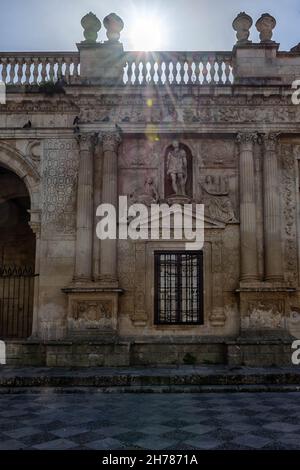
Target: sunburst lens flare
(146,34)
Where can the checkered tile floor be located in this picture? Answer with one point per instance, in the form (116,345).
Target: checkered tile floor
(149,421)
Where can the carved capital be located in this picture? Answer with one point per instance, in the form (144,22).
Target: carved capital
(247,138)
(111,141)
(270,141)
(35,222)
(87,141)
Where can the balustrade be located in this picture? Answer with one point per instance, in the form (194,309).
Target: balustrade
(36,68)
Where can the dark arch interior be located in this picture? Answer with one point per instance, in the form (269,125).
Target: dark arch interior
(17,241)
(17,258)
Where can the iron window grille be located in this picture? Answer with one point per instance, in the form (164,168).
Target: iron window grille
(178,287)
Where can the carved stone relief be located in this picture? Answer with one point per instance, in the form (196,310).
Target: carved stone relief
(140,153)
(147,195)
(266,313)
(189,110)
(217,154)
(215,196)
(60,166)
(91,315)
(34,150)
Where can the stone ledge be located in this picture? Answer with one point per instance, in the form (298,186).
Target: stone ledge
(132,378)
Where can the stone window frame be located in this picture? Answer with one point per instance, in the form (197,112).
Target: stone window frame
(200,288)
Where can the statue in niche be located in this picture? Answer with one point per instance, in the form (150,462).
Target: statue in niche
(177,168)
(215,197)
(148,195)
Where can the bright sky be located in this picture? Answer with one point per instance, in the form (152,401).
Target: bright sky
(37,25)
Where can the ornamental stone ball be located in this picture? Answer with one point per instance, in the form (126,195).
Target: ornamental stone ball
(242,24)
(265,25)
(91,25)
(114,25)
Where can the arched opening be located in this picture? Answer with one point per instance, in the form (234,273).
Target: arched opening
(17,257)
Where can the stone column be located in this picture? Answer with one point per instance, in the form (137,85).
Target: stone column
(35,225)
(108,251)
(97,200)
(272,226)
(249,261)
(84,232)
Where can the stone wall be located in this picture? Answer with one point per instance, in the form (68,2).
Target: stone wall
(98,139)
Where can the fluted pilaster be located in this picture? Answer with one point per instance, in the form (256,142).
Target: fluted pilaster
(272,226)
(108,251)
(249,261)
(84,232)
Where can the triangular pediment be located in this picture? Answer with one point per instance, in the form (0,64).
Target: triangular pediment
(193,217)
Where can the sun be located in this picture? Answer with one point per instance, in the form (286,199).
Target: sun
(146,33)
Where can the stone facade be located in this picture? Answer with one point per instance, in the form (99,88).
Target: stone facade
(107,132)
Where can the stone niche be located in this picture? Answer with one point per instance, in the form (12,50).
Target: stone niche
(168,189)
(92,314)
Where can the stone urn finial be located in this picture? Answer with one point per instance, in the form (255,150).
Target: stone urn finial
(113,25)
(265,25)
(242,24)
(91,25)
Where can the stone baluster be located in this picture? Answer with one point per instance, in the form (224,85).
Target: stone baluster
(108,251)
(44,70)
(67,69)
(35,73)
(85,206)
(51,73)
(59,68)
(4,62)
(27,70)
(249,261)
(76,66)
(12,62)
(272,226)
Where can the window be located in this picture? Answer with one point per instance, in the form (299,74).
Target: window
(178,287)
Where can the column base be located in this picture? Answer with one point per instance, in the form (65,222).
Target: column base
(250,279)
(275,279)
(108,281)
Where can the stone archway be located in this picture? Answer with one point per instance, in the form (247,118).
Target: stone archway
(19,244)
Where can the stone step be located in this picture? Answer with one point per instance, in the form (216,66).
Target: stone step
(200,378)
